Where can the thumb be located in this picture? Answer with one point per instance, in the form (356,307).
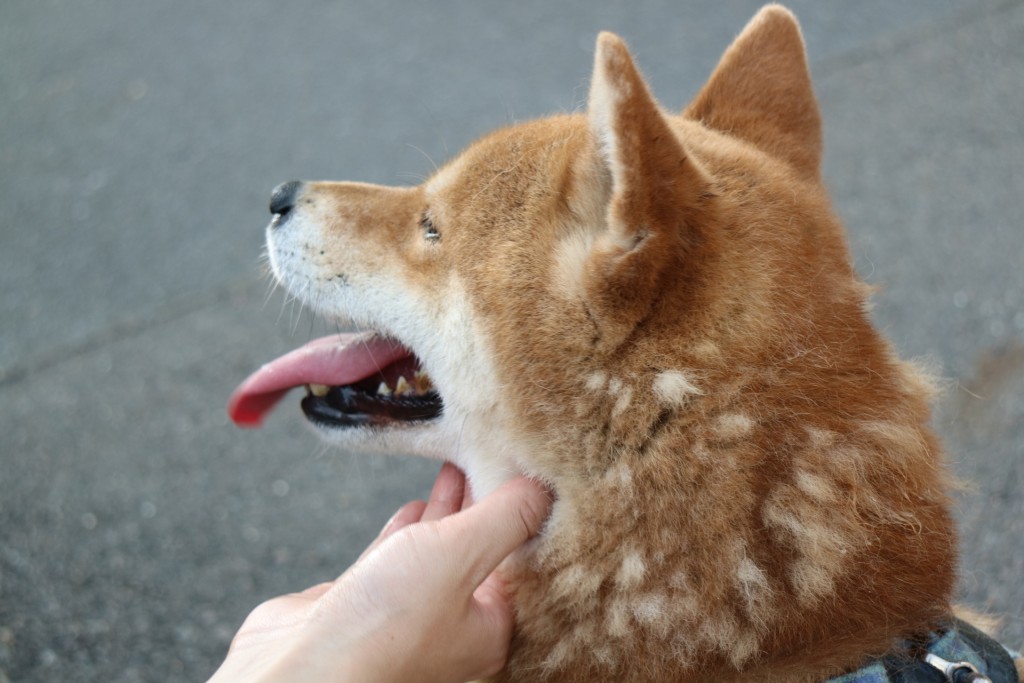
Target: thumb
(488,532)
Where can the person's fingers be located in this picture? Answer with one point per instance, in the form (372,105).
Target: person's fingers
(489,628)
(314,592)
(446,496)
(492,603)
(410,513)
(495,526)
(467,497)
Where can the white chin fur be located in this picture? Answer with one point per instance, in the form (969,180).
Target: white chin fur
(452,351)
(443,439)
(424,440)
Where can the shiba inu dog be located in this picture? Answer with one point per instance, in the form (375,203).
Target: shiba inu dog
(655,314)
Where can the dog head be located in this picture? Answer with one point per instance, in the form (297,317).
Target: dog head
(563,270)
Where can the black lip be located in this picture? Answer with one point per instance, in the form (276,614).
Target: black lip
(350,406)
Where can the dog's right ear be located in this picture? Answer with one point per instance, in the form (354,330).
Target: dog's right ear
(656,190)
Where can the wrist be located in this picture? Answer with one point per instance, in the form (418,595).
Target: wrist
(362,658)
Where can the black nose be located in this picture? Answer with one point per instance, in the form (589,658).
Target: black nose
(282,199)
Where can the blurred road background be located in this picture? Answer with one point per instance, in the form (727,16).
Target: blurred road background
(139,142)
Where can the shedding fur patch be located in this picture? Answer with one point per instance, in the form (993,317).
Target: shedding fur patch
(898,441)
(617,620)
(631,571)
(620,477)
(560,654)
(674,388)
(733,426)
(605,656)
(576,584)
(680,581)
(820,438)
(821,535)
(650,611)
(917,377)
(700,451)
(719,630)
(596,381)
(708,350)
(622,401)
(753,585)
(816,487)
(746,646)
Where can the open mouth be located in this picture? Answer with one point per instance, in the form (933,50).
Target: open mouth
(351,380)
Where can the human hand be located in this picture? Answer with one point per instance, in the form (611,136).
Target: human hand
(422,603)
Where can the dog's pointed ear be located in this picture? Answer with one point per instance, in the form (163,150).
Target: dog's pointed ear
(648,164)
(761,92)
(655,190)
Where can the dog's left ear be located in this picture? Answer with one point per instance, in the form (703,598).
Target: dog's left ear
(761,92)
(656,191)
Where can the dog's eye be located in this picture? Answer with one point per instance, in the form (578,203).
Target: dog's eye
(429,231)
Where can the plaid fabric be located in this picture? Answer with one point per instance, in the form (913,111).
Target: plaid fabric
(960,643)
(872,673)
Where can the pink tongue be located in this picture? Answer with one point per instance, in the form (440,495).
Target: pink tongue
(334,360)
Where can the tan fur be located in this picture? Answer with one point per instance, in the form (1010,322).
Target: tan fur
(747,487)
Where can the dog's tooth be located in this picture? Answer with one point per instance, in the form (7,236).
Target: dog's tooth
(383,389)
(319,390)
(402,387)
(421,381)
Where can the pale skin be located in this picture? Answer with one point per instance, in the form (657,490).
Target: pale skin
(422,603)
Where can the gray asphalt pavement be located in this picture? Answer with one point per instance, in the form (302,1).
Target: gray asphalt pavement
(138,146)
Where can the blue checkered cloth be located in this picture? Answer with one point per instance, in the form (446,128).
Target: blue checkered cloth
(959,643)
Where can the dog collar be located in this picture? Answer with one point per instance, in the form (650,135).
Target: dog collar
(958,654)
